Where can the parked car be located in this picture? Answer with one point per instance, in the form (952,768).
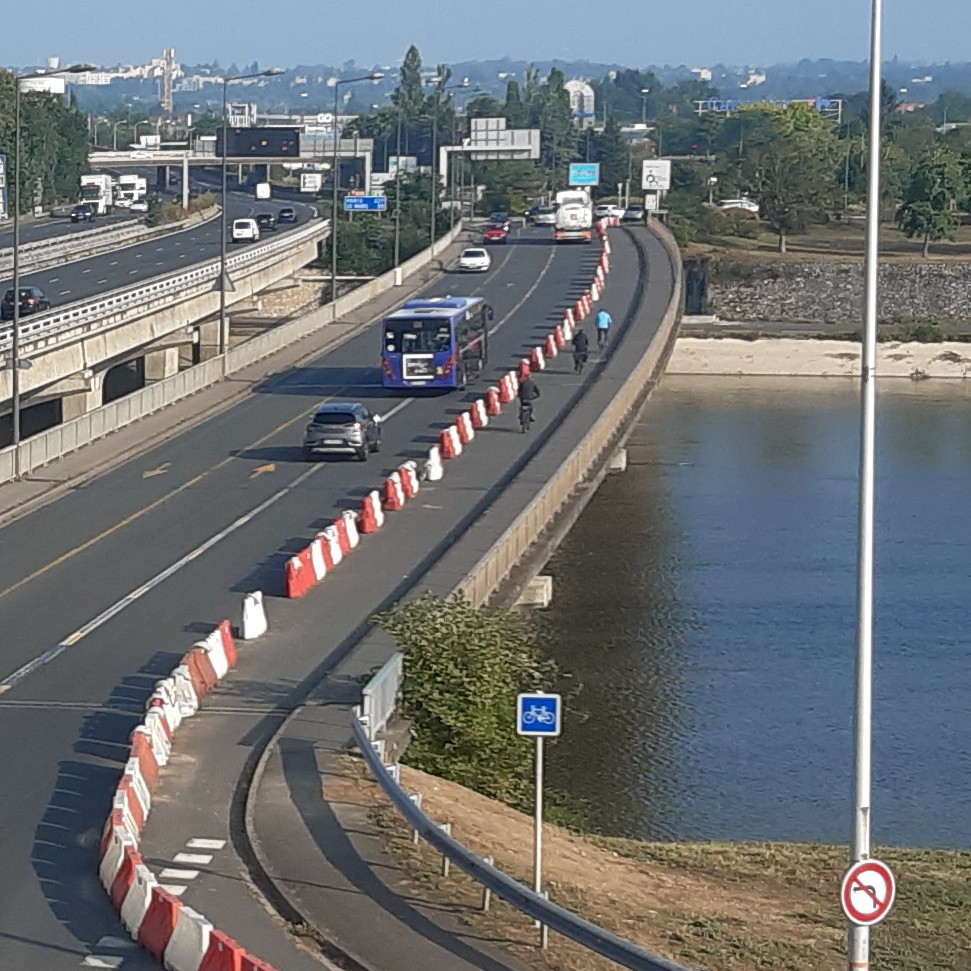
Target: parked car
(83,212)
(501,217)
(474,260)
(33,300)
(543,216)
(287,215)
(633,214)
(245,230)
(743,203)
(495,233)
(342,428)
(265,220)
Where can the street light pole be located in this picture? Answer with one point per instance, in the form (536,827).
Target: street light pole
(644,93)
(397,197)
(338,82)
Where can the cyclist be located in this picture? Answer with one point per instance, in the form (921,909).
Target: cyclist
(604,320)
(581,349)
(528,393)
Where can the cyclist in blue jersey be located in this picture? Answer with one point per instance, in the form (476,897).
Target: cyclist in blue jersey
(604,320)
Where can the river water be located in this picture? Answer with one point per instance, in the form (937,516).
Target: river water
(705,608)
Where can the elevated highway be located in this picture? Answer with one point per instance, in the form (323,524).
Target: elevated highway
(107,584)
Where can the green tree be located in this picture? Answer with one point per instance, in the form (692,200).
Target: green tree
(928,208)
(409,96)
(463,668)
(612,151)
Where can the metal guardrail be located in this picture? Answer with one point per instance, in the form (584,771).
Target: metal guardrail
(559,919)
(165,290)
(380,695)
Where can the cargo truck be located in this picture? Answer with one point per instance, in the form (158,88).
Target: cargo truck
(98,192)
(129,189)
(574,217)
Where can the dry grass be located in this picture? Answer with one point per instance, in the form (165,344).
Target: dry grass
(740,907)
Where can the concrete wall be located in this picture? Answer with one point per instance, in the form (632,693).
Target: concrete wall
(41,449)
(832,290)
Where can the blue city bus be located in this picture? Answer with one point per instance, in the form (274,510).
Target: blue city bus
(435,342)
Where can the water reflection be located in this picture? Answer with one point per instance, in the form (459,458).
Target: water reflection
(706,602)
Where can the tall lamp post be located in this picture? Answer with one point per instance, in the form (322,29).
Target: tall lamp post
(644,93)
(15,361)
(225,284)
(338,84)
(464,83)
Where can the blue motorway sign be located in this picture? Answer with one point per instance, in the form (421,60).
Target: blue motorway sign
(584,173)
(538,713)
(365,203)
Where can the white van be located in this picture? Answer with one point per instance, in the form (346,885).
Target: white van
(245,230)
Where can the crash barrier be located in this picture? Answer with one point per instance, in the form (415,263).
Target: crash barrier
(380,695)
(39,450)
(44,253)
(534,905)
(483,579)
(173,934)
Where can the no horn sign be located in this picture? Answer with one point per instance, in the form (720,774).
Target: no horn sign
(868,892)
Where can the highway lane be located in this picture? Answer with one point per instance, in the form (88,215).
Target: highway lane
(131,265)
(77,709)
(54,228)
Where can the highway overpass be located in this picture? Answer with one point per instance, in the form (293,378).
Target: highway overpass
(107,584)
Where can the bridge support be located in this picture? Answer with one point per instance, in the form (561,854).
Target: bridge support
(162,178)
(161,364)
(81,395)
(208,343)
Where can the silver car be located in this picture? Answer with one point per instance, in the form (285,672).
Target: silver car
(342,428)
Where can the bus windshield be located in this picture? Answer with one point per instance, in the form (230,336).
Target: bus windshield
(419,336)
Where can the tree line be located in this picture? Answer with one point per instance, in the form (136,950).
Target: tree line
(53,144)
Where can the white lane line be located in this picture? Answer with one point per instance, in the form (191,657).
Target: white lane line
(203,844)
(195,859)
(113,263)
(63,293)
(102,961)
(54,279)
(51,653)
(174,888)
(132,272)
(87,270)
(101,281)
(110,941)
(172,873)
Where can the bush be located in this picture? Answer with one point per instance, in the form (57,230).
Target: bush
(161,213)
(463,668)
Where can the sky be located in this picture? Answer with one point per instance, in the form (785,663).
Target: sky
(633,33)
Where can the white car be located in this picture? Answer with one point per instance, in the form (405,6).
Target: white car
(474,260)
(138,205)
(749,205)
(245,230)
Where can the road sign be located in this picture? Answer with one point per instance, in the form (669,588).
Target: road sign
(656,174)
(867,892)
(311,181)
(539,715)
(584,173)
(365,203)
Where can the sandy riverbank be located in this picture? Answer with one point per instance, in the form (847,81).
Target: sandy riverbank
(775,357)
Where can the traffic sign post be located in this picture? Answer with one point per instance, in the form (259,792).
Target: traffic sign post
(538,715)
(365,203)
(867,892)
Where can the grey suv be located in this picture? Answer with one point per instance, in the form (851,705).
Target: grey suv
(342,428)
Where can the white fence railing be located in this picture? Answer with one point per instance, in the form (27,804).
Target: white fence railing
(380,695)
(163,290)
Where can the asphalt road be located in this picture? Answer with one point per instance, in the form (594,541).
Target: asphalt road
(102,590)
(130,265)
(56,227)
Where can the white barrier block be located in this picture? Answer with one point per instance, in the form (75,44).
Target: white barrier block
(133,772)
(434,468)
(139,896)
(253,623)
(189,941)
(120,801)
(333,541)
(213,646)
(317,558)
(350,521)
(114,854)
(161,744)
(185,692)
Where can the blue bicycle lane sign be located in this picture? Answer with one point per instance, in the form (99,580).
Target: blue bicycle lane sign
(539,714)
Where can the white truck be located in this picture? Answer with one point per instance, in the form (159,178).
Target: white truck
(129,189)
(98,191)
(574,217)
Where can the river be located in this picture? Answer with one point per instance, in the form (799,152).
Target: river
(705,608)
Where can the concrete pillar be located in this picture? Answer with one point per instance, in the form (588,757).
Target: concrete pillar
(208,340)
(161,364)
(161,177)
(78,403)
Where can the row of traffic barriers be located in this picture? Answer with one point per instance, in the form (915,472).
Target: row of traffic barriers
(173,934)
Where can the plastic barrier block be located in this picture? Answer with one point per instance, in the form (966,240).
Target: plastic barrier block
(159,922)
(189,941)
(136,902)
(120,840)
(125,877)
(223,954)
(253,623)
(350,521)
(229,645)
(251,963)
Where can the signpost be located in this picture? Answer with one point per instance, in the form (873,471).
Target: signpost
(584,173)
(311,181)
(867,892)
(365,203)
(656,174)
(538,715)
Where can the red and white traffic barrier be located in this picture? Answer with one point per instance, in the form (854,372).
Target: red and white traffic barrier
(536,360)
(606,245)
(394,493)
(567,328)
(451,444)
(594,292)
(568,317)
(558,337)
(478,414)
(434,468)
(189,941)
(408,473)
(523,371)
(550,349)
(464,426)
(159,922)
(372,515)
(493,401)
(350,525)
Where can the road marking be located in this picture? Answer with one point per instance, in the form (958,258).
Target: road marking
(102,961)
(86,271)
(101,281)
(262,470)
(204,844)
(171,873)
(175,889)
(196,859)
(113,263)
(55,279)
(63,293)
(160,470)
(53,652)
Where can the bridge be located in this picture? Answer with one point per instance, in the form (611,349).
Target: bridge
(129,550)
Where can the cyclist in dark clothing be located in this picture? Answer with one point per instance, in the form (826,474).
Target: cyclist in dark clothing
(581,350)
(528,393)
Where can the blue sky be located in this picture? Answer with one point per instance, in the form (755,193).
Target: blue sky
(631,32)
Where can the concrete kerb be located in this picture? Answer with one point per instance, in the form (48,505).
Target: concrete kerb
(258,870)
(213,374)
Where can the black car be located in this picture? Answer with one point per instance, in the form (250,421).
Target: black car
(342,428)
(265,220)
(287,215)
(32,300)
(500,217)
(83,212)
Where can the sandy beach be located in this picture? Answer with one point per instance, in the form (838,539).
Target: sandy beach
(776,357)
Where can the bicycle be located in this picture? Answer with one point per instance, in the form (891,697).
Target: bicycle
(602,337)
(579,359)
(535,714)
(525,416)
